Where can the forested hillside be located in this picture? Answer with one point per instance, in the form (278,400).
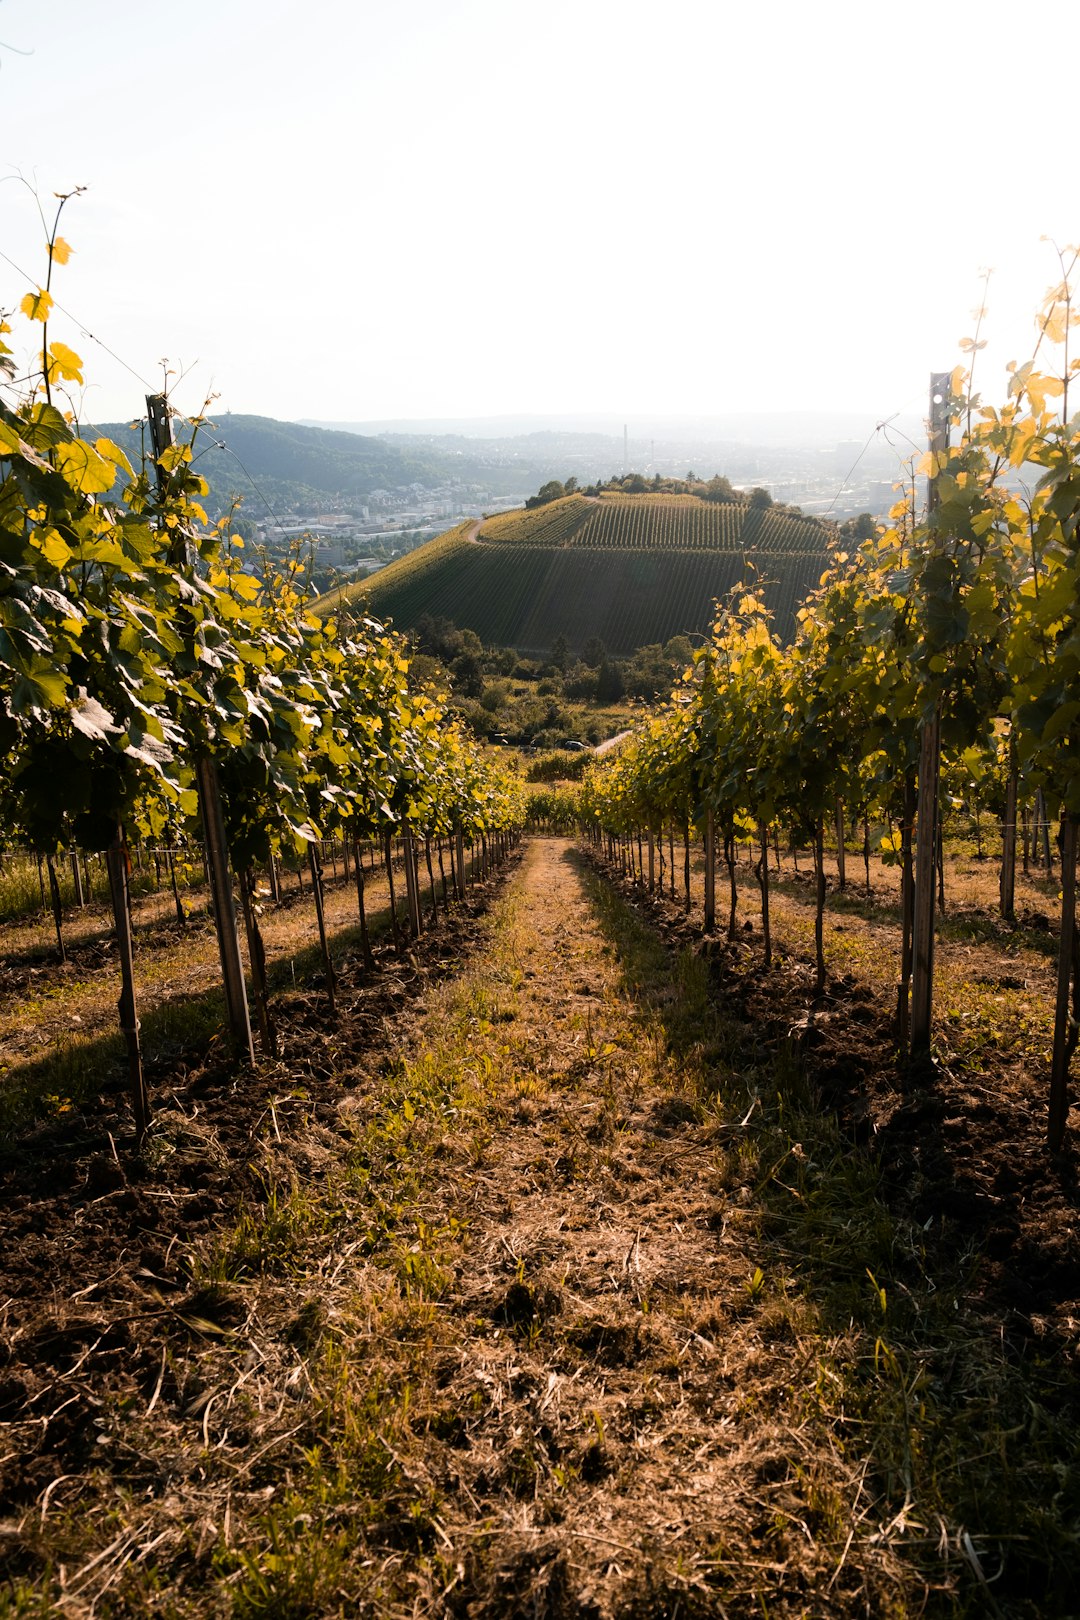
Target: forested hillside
(290,466)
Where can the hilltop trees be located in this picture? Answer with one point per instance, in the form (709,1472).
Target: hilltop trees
(552,491)
(718,488)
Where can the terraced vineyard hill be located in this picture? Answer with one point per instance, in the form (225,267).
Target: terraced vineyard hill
(631,569)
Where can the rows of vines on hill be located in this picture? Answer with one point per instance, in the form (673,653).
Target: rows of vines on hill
(412,570)
(656,523)
(551,525)
(147,677)
(632,570)
(968,620)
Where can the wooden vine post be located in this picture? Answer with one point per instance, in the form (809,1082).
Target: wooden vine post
(922,934)
(1042,832)
(686,864)
(1065,1020)
(431,880)
(907,911)
(57,906)
(1008,838)
(76,878)
(731,861)
(257,958)
(116,861)
(412,881)
(763,884)
(178,904)
(358,870)
(926,836)
(217,856)
(819,906)
(388,856)
(315,865)
(228,934)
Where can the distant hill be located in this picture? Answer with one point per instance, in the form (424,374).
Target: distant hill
(297,467)
(631,569)
(813,428)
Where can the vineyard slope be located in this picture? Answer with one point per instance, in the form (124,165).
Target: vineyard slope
(631,569)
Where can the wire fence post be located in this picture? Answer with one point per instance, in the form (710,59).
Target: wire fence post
(926,834)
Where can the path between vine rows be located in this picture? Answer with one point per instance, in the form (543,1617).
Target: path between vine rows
(531,1310)
(594,1216)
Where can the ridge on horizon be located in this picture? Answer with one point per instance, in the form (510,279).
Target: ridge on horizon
(793,427)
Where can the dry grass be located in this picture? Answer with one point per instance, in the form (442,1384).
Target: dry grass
(994,982)
(58,1022)
(575,1303)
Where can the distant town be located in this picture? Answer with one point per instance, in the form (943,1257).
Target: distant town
(388,523)
(360,535)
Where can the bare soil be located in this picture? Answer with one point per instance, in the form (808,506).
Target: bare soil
(466,1306)
(46,1005)
(962,1139)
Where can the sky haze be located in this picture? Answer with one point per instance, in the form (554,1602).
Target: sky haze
(444,208)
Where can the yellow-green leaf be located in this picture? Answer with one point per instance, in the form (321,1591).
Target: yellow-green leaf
(112,452)
(84,469)
(63,364)
(1039,387)
(37,305)
(1055,323)
(53,548)
(175,455)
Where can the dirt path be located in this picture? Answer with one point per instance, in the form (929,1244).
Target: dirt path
(603,1441)
(548,1291)
(648,1379)
(612,742)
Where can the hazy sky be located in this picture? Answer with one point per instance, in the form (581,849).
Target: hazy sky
(352,209)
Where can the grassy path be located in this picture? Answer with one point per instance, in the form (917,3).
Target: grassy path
(573,1303)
